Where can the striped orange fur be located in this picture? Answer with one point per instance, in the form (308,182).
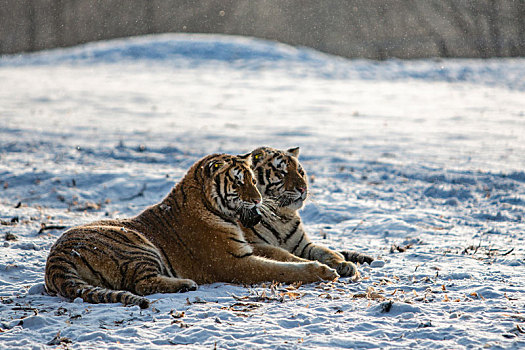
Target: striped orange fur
(280,235)
(192,236)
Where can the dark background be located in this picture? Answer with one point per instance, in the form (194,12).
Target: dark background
(376,29)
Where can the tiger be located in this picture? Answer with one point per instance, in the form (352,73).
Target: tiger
(193,236)
(280,235)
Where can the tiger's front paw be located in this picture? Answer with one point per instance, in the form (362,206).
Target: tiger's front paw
(356,257)
(323,272)
(187,285)
(348,269)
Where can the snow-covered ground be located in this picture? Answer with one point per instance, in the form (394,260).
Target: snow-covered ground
(418,163)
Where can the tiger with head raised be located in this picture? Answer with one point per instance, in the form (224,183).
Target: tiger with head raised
(193,236)
(280,235)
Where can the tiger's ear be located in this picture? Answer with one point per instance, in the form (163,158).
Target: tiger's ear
(294,151)
(246,157)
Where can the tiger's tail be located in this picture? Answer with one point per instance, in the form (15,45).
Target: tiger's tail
(67,283)
(97,295)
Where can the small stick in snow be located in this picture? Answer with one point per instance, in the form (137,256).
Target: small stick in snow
(357,226)
(44,227)
(10,237)
(25,308)
(507,253)
(57,340)
(400,249)
(139,194)
(11,222)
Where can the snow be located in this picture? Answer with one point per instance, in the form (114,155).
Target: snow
(418,163)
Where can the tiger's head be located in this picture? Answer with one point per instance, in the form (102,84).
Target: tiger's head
(280,176)
(230,188)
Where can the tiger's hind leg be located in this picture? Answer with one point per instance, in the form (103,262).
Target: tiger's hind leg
(62,278)
(163,284)
(152,276)
(104,264)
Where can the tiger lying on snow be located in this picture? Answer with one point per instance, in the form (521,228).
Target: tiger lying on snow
(192,236)
(280,234)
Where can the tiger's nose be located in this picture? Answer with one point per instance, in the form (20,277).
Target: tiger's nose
(301,189)
(256,203)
